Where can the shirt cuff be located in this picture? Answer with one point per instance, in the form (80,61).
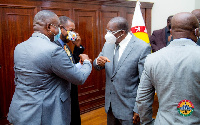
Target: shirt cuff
(96,60)
(78,65)
(86,60)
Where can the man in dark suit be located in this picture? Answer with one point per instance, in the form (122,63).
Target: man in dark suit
(162,37)
(196,12)
(122,57)
(67,24)
(43,76)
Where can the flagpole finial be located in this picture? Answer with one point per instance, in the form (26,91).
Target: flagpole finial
(137,0)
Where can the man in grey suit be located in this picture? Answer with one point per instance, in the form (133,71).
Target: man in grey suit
(174,72)
(43,77)
(67,24)
(123,74)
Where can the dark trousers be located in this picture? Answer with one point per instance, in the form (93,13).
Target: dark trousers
(75,110)
(112,120)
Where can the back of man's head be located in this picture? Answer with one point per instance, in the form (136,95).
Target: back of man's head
(42,18)
(184,25)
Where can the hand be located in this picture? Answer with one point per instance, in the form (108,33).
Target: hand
(77,42)
(102,60)
(136,118)
(83,57)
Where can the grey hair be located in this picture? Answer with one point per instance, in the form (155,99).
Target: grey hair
(64,20)
(122,23)
(43,17)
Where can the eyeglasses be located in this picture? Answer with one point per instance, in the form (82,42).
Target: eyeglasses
(54,26)
(69,30)
(113,32)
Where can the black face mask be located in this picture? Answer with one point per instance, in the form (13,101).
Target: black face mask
(169,26)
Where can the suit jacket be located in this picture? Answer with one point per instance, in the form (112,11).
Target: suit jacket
(198,42)
(174,73)
(158,39)
(75,110)
(122,84)
(43,72)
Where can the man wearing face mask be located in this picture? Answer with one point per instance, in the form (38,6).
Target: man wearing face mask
(67,28)
(122,57)
(43,76)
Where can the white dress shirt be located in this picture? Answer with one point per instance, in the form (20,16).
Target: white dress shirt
(123,44)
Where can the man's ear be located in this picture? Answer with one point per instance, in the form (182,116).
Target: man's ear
(197,32)
(48,26)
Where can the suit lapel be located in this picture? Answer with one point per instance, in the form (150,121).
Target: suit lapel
(124,55)
(110,53)
(58,43)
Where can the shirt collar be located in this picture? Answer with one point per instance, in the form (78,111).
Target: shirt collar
(61,42)
(182,42)
(125,41)
(37,34)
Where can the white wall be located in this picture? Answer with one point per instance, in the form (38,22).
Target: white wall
(164,8)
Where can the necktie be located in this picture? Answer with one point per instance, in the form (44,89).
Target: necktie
(116,57)
(68,52)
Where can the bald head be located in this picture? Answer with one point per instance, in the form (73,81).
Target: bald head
(46,22)
(43,17)
(197,13)
(184,25)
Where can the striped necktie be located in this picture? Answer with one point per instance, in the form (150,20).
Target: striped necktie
(68,52)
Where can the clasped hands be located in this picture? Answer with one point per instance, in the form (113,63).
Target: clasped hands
(84,57)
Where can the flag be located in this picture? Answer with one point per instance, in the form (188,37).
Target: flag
(138,27)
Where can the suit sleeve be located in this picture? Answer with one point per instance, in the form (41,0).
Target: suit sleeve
(77,51)
(145,97)
(153,43)
(97,67)
(146,51)
(64,68)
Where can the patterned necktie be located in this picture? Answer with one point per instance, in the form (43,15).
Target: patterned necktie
(116,57)
(68,52)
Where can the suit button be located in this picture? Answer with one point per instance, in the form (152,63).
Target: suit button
(111,80)
(110,92)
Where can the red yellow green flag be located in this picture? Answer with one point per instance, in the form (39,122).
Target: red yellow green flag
(138,27)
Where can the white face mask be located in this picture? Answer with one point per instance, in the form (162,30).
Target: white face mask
(110,38)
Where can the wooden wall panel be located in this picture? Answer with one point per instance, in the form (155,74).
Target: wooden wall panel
(17,27)
(2,90)
(91,18)
(86,25)
(59,11)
